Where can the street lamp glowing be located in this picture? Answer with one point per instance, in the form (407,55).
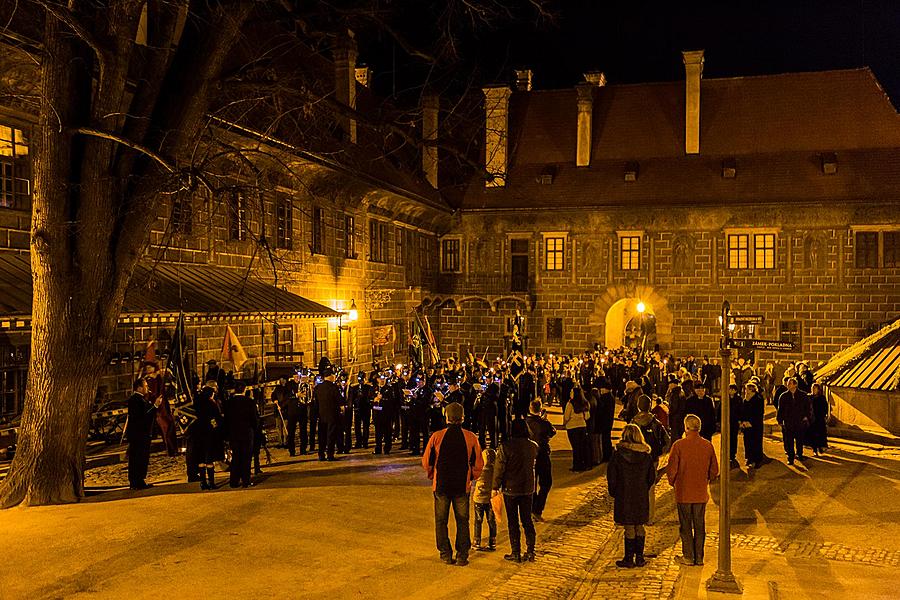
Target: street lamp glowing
(641,307)
(352,314)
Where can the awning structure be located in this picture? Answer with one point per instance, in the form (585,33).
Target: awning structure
(871,364)
(164,290)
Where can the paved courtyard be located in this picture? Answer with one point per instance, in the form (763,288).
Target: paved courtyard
(362,528)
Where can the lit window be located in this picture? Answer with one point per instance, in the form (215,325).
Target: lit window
(738,251)
(450,256)
(630,252)
(15,169)
(764,248)
(554,253)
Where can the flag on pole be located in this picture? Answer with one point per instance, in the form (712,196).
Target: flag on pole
(232,349)
(426,339)
(414,344)
(516,358)
(177,361)
(382,336)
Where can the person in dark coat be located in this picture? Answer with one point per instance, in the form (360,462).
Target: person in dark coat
(295,415)
(676,400)
(630,475)
(540,431)
(514,475)
(241,420)
(382,413)
(487,414)
(657,437)
(794,415)
(141,414)
(362,412)
(818,430)
(606,414)
(753,414)
(702,405)
(735,416)
(418,418)
(327,396)
(207,440)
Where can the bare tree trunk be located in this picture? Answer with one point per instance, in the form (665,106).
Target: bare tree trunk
(77,289)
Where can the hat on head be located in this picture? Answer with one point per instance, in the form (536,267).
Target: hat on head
(631,386)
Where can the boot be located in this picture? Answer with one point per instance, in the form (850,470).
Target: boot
(628,561)
(211,477)
(639,551)
(202,478)
(513,557)
(529,554)
(492,544)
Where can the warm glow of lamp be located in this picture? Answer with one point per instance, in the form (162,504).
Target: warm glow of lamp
(641,307)
(352,314)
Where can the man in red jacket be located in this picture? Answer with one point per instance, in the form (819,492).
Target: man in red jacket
(453,460)
(692,465)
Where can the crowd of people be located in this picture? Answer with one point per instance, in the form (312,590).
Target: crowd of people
(483,434)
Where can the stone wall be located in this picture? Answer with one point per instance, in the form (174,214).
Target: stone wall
(683,277)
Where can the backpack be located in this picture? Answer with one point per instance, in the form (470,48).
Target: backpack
(655,438)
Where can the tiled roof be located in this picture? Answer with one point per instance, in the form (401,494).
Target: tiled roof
(776,128)
(870,364)
(167,288)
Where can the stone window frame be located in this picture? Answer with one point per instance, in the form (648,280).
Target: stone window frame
(883,258)
(320,341)
(284,221)
(399,247)
(558,255)
(447,243)
(633,253)
(350,236)
(378,249)
(765,254)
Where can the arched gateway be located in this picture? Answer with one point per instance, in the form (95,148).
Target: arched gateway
(616,315)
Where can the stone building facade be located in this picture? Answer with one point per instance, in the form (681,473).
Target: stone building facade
(339,239)
(777,193)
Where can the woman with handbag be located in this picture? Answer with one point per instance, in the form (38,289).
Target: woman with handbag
(575,420)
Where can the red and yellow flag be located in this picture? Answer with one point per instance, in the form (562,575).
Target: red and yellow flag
(232,349)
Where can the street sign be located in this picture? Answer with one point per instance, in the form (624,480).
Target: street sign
(746,319)
(776,345)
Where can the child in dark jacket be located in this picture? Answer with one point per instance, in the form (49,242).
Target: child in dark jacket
(482,500)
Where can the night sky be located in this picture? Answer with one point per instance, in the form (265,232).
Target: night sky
(638,41)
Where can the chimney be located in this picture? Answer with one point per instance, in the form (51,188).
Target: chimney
(496,133)
(430,109)
(595,78)
(693,71)
(585,124)
(344,54)
(523,80)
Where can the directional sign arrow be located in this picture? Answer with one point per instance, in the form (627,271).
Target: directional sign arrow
(776,345)
(746,319)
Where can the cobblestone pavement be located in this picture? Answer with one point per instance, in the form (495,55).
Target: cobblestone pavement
(576,554)
(806,549)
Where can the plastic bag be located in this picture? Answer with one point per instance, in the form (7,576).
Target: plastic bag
(497,505)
